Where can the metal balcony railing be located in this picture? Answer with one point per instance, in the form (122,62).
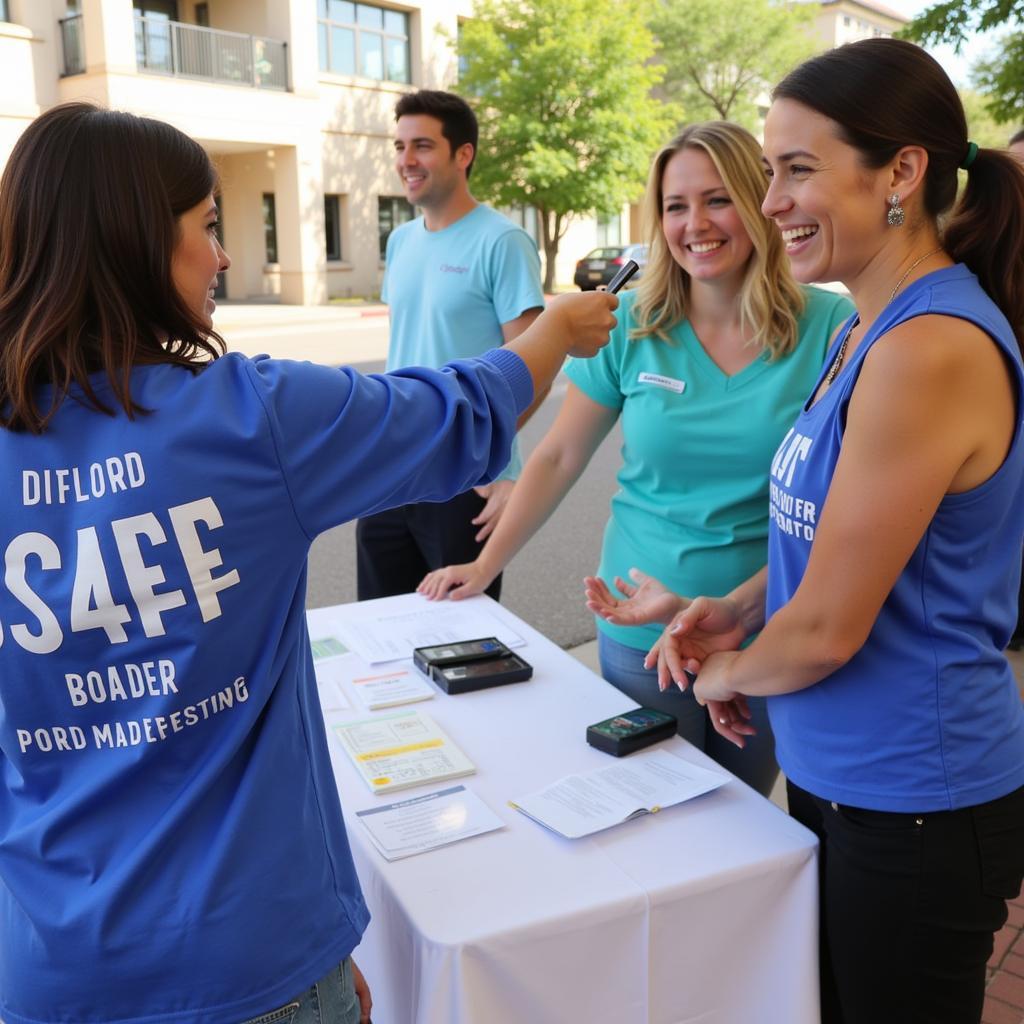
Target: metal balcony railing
(71,41)
(192,51)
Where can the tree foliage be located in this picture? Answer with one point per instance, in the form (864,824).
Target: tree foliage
(562,92)
(1000,76)
(982,127)
(720,55)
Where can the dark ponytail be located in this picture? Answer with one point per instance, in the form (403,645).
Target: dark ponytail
(885,94)
(986,231)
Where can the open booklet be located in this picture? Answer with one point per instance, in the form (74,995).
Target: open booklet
(580,805)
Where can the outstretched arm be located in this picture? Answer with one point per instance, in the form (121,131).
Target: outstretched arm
(553,467)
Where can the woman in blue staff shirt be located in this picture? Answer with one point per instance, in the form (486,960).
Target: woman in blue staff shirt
(171,843)
(897,519)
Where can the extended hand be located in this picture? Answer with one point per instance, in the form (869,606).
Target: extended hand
(647,600)
(496,496)
(704,626)
(587,319)
(456,581)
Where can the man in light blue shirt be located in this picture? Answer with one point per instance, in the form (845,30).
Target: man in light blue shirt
(459,280)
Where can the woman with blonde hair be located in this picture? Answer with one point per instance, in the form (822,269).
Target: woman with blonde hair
(712,356)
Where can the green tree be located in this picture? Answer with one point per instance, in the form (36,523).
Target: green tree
(720,55)
(562,92)
(982,127)
(999,76)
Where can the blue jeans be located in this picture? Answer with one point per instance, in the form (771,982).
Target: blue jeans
(623,667)
(332,1000)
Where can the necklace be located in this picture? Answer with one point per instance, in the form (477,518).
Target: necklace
(838,361)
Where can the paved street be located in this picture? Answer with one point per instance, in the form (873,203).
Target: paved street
(544,584)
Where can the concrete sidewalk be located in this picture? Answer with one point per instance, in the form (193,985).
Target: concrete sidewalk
(249,316)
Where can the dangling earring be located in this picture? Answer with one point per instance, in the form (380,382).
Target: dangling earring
(894,216)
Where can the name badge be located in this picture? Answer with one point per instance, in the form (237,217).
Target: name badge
(668,383)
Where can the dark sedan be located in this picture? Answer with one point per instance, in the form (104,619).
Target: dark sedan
(599,266)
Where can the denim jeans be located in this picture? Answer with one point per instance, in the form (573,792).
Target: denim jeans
(623,667)
(332,1000)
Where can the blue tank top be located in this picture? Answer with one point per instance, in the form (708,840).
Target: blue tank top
(926,716)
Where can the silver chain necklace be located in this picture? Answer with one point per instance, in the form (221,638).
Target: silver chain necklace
(837,363)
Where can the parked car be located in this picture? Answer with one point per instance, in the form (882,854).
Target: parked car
(599,266)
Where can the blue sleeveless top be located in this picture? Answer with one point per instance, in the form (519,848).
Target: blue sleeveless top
(926,716)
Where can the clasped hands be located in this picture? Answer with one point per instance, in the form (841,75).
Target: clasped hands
(701,638)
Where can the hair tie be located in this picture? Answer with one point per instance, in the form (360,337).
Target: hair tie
(972,152)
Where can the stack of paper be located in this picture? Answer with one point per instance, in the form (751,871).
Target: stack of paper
(580,805)
(402,749)
(388,689)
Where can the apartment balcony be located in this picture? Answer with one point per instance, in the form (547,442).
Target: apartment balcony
(194,52)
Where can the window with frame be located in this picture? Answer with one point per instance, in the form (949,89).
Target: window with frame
(392,212)
(363,40)
(269,227)
(333,206)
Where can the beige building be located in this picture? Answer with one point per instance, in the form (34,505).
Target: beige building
(294,100)
(846,21)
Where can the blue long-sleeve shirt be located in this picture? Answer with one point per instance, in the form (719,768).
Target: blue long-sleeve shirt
(171,842)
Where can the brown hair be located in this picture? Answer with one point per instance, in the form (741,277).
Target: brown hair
(89,203)
(458,122)
(888,93)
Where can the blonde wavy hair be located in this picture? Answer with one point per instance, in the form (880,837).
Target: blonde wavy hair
(770,299)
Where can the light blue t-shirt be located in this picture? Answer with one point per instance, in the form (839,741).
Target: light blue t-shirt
(449,291)
(692,503)
(926,715)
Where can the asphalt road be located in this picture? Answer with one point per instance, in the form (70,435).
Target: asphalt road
(543,584)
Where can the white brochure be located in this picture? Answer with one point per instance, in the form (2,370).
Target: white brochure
(388,689)
(427,822)
(644,783)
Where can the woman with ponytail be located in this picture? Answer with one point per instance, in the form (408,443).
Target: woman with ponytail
(897,508)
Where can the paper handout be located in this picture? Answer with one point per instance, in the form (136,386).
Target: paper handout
(424,823)
(401,749)
(580,805)
(391,636)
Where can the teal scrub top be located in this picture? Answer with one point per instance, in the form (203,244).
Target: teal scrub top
(692,503)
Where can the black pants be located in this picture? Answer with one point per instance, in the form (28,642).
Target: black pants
(909,906)
(397,548)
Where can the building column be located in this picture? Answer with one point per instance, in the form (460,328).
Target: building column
(234,216)
(109,36)
(296,23)
(299,191)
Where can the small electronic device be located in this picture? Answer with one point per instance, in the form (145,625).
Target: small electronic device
(632,730)
(439,655)
(479,675)
(468,665)
(629,268)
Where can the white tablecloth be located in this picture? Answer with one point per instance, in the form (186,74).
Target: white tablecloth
(704,912)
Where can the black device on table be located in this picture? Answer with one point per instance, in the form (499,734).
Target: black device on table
(632,730)
(469,665)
